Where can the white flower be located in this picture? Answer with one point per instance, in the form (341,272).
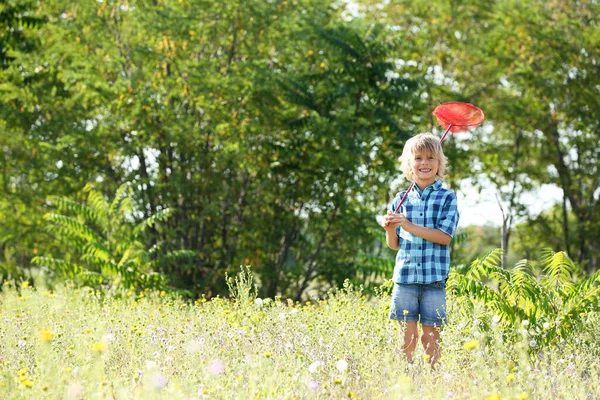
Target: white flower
(282,316)
(341,365)
(532,343)
(217,367)
(109,337)
(294,311)
(150,364)
(193,347)
(495,319)
(314,367)
(312,385)
(74,390)
(158,381)
(389,75)
(525,322)
(258,302)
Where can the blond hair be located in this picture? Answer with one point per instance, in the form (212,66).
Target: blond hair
(423,142)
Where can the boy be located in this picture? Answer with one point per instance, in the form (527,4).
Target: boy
(421,231)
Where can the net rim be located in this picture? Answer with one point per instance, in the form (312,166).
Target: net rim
(444,122)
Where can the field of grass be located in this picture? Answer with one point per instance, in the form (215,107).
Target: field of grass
(75,343)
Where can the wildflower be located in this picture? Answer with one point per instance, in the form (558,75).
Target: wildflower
(312,385)
(25,285)
(405,312)
(99,347)
(267,354)
(217,367)
(532,343)
(337,381)
(46,335)
(151,364)
(546,325)
(258,302)
(158,381)
(314,367)
(525,323)
(495,319)
(471,344)
(74,390)
(341,365)
(523,396)
(493,397)
(27,383)
(510,378)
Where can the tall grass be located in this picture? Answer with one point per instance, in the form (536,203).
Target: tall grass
(77,343)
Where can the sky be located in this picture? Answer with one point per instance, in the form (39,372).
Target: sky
(482,208)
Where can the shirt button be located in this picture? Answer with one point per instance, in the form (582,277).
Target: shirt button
(419,264)
(421,214)
(419,247)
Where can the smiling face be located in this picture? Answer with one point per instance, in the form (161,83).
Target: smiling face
(424,166)
(423,159)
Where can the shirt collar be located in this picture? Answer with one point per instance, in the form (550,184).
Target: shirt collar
(437,185)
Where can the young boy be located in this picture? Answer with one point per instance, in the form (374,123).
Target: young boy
(421,231)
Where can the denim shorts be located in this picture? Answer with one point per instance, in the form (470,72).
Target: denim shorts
(419,302)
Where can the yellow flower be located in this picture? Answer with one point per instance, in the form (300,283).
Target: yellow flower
(523,396)
(267,355)
(46,335)
(493,397)
(405,312)
(27,383)
(471,344)
(24,285)
(509,378)
(99,347)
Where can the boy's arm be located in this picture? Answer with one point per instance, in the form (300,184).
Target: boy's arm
(393,241)
(431,234)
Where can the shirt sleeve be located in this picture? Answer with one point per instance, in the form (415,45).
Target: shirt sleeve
(448,220)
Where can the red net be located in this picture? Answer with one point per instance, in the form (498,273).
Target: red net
(461,116)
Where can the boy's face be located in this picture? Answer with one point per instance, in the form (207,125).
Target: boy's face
(424,167)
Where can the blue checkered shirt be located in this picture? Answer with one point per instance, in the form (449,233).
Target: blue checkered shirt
(419,260)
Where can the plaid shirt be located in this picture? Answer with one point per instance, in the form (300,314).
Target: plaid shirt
(419,260)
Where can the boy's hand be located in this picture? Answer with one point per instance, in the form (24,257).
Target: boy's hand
(391,221)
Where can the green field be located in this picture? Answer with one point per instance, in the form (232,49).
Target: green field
(77,343)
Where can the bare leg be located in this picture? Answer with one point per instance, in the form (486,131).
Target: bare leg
(411,333)
(431,343)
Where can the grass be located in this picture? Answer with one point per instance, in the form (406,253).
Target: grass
(77,343)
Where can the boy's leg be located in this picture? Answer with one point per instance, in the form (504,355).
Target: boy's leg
(411,333)
(431,343)
(433,315)
(405,309)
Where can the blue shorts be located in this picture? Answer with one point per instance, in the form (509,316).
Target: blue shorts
(424,302)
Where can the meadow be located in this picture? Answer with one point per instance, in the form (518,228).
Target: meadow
(77,343)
